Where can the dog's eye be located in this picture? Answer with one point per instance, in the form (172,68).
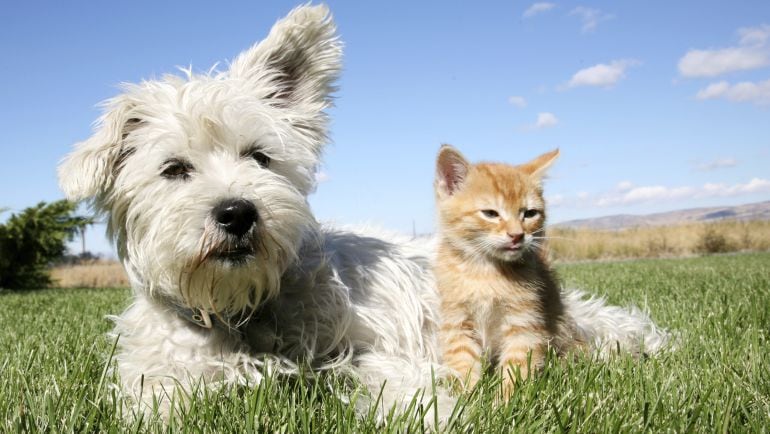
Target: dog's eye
(260,157)
(531,213)
(176,169)
(490,213)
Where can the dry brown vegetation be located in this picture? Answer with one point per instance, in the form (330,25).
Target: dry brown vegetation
(564,245)
(93,274)
(660,241)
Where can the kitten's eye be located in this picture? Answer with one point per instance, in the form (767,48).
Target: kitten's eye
(260,157)
(490,213)
(530,213)
(176,169)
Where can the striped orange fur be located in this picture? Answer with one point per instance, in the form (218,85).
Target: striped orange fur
(499,298)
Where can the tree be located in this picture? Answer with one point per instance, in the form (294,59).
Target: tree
(81,223)
(32,240)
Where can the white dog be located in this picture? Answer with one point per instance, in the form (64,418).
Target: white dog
(204,180)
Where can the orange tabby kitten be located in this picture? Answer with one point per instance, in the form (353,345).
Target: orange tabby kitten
(498,295)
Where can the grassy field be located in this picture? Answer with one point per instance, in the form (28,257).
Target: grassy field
(53,376)
(659,241)
(93,274)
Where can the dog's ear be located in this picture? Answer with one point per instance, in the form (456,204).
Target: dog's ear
(89,170)
(451,171)
(297,63)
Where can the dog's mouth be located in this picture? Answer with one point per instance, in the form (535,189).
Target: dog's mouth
(230,250)
(235,255)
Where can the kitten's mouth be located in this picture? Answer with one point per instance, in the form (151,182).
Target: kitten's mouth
(513,247)
(512,252)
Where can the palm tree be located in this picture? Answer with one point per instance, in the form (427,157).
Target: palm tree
(82,222)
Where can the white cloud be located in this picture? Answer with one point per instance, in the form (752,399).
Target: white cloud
(751,53)
(538,8)
(590,17)
(555,200)
(714,90)
(624,186)
(518,101)
(754,35)
(545,120)
(719,163)
(321,176)
(710,63)
(756,185)
(746,91)
(603,75)
(659,193)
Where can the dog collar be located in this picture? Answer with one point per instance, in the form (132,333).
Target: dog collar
(206,320)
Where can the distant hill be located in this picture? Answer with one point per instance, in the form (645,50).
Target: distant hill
(751,211)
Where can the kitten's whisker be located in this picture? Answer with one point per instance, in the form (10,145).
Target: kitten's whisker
(554,238)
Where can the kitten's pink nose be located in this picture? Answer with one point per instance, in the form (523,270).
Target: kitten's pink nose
(516,238)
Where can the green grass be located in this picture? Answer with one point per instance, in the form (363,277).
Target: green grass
(53,376)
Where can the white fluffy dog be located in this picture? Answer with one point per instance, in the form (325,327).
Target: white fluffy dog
(204,180)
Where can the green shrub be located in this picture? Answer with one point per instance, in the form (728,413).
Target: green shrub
(32,240)
(712,241)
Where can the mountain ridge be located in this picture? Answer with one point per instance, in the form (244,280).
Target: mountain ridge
(745,212)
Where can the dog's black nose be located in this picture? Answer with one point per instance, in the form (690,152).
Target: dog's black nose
(235,216)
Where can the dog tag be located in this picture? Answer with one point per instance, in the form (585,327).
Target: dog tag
(202,318)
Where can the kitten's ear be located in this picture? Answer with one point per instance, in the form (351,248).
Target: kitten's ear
(539,165)
(451,171)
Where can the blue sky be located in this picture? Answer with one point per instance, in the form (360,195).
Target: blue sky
(655,105)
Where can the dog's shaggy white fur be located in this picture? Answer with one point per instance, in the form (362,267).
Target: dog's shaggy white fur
(204,180)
